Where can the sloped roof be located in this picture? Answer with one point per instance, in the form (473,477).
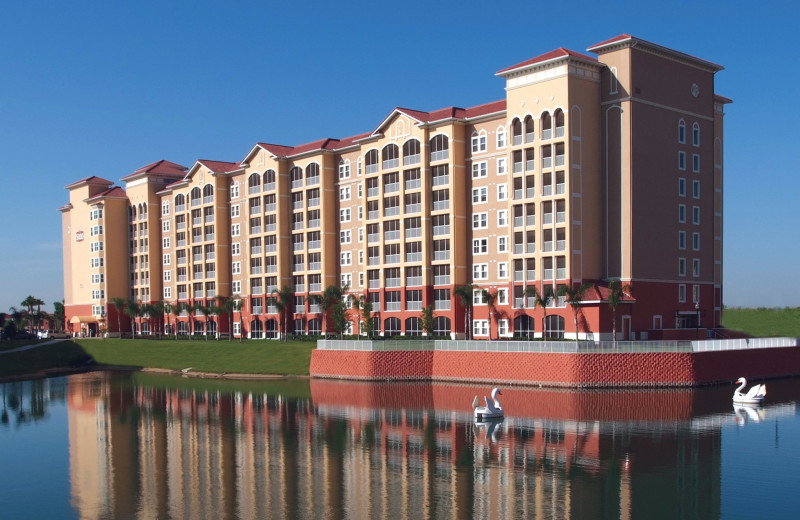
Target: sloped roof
(553,55)
(89,180)
(113,192)
(162,168)
(218,166)
(601,47)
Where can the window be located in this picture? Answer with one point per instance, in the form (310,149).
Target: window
(344,170)
(502,270)
(166,259)
(695,162)
(235,230)
(165,243)
(682,293)
(346,258)
(344,193)
(501,137)
(344,215)
(167,276)
(502,244)
(480,246)
(98,262)
(695,293)
(479,170)
(681,213)
(235,190)
(480,328)
(695,134)
(236,287)
(165,207)
(696,215)
(167,293)
(681,267)
(681,187)
(480,220)
(477,297)
(480,195)
(502,296)
(235,249)
(165,225)
(681,160)
(96,246)
(235,210)
(440,148)
(681,239)
(502,168)
(345,236)
(502,192)
(98,278)
(479,142)
(696,189)
(502,218)
(696,267)
(236,267)
(681,131)
(480,271)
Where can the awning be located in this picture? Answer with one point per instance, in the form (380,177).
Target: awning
(83,319)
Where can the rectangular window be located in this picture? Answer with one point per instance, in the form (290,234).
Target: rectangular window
(695,162)
(167,259)
(345,236)
(681,213)
(165,208)
(681,187)
(165,243)
(479,170)
(681,160)
(502,166)
(360,192)
(477,297)
(235,190)
(501,137)
(167,276)
(682,293)
(480,271)
(502,218)
(480,220)
(346,258)
(696,267)
(98,262)
(480,246)
(167,293)
(236,267)
(502,244)
(235,210)
(696,215)
(236,287)
(696,189)
(480,328)
(695,135)
(681,239)
(344,193)
(165,225)
(696,241)
(502,296)
(344,215)
(502,328)
(236,249)
(681,267)
(480,195)
(479,142)
(695,293)
(235,230)
(502,270)
(502,192)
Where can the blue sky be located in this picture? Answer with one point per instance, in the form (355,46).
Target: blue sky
(102,88)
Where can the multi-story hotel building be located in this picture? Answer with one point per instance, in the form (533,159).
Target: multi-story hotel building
(589,169)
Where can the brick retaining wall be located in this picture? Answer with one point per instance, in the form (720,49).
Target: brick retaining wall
(645,369)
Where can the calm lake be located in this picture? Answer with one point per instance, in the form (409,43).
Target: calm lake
(133,445)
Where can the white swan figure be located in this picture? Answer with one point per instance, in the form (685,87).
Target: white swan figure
(753,396)
(748,412)
(492,410)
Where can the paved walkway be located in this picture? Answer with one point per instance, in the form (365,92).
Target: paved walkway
(31,346)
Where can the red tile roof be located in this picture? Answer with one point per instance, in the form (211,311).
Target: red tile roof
(615,39)
(561,52)
(115,191)
(89,180)
(161,168)
(486,108)
(219,166)
(600,292)
(278,150)
(722,99)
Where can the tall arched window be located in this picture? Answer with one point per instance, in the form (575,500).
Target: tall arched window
(254,183)
(559,117)
(516,131)
(529,129)
(440,147)
(441,326)
(180,202)
(501,137)
(411,151)
(391,156)
(523,326)
(413,327)
(208,194)
(391,327)
(479,141)
(371,161)
(269,180)
(681,131)
(312,174)
(196,196)
(296,176)
(696,134)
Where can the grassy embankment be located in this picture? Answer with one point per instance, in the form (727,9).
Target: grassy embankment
(249,357)
(764,322)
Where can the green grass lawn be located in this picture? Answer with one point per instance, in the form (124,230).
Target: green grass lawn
(763,322)
(64,354)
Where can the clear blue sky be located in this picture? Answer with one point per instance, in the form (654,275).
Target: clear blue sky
(102,88)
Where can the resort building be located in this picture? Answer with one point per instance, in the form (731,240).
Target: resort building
(589,169)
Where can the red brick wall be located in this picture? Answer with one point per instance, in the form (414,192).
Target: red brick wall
(568,370)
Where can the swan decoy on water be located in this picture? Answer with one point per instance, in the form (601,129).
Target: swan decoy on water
(753,396)
(492,410)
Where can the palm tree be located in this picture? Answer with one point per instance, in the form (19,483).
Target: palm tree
(616,291)
(238,305)
(541,300)
(205,310)
(119,305)
(216,310)
(464,293)
(490,298)
(363,306)
(326,300)
(58,315)
(428,319)
(133,310)
(30,302)
(282,300)
(574,299)
(157,313)
(226,306)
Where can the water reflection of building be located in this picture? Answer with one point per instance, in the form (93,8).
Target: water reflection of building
(387,451)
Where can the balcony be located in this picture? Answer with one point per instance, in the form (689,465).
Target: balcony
(413,281)
(441,180)
(519,221)
(180,208)
(197,258)
(518,194)
(312,181)
(530,165)
(530,192)
(196,202)
(391,211)
(388,164)
(209,237)
(547,190)
(391,235)
(314,244)
(559,131)
(208,199)
(270,207)
(373,238)
(519,303)
(299,309)
(181,243)
(180,225)
(441,230)
(314,266)
(313,203)
(208,219)
(392,259)
(255,270)
(196,221)
(560,189)
(371,168)
(413,208)
(440,155)
(529,137)
(519,249)
(198,294)
(414,306)
(211,293)
(271,309)
(182,277)
(517,168)
(440,280)
(270,186)
(374,260)
(314,223)
(181,260)
(441,255)
(297,204)
(252,190)
(393,282)
(531,247)
(298,246)
(297,225)
(373,215)
(547,218)
(531,273)
(297,183)
(272,268)
(270,227)
(413,184)
(254,230)
(372,192)
(441,205)
(411,159)
(297,267)
(255,250)
(413,232)
(517,139)
(531,220)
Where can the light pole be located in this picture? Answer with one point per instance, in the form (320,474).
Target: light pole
(697,322)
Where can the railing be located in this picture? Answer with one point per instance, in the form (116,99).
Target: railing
(196,221)
(413,184)
(298,267)
(561,245)
(411,159)
(560,189)
(391,235)
(181,243)
(390,163)
(297,225)
(255,250)
(182,296)
(208,199)
(180,225)
(196,202)
(314,266)
(518,221)
(530,192)
(270,207)
(391,211)
(519,249)
(373,260)
(269,186)
(392,259)
(441,280)
(441,255)
(374,284)
(373,215)
(393,306)
(270,227)
(272,268)
(254,210)
(441,305)
(299,309)
(561,273)
(180,207)
(517,168)
(393,282)
(547,246)
(441,155)
(372,192)
(561,217)
(413,306)
(547,133)
(413,281)
(298,204)
(441,230)
(312,181)
(252,190)
(517,139)
(547,190)
(548,274)
(312,203)
(441,205)
(371,168)
(315,287)
(209,237)
(314,308)
(529,137)
(297,246)
(547,162)
(531,275)
(547,218)
(373,238)
(518,276)
(257,309)
(530,164)
(255,229)
(313,223)
(531,247)
(559,131)
(440,180)
(297,183)
(531,220)
(560,160)
(314,244)
(413,232)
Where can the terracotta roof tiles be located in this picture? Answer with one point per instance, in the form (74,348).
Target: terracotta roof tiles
(561,52)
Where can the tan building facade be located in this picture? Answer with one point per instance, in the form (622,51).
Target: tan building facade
(590,169)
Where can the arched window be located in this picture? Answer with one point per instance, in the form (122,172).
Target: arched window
(296,176)
(681,131)
(212,328)
(413,327)
(256,329)
(523,326)
(516,131)
(440,146)
(613,81)
(208,194)
(441,326)
(271,329)
(411,151)
(501,137)
(198,327)
(254,183)
(269,180)
(142,210)
(196,196)
(183,327)
(547,126)
(315,326)
(131,213)
(696,134)
(559,117)
(555,327)
(529,129)
(371,160)
(479,141)
(180,202)
(391,327)
(312,174)
(344,169)
(299,326)
(391,156)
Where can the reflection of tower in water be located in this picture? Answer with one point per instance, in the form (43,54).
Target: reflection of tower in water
(385,451)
